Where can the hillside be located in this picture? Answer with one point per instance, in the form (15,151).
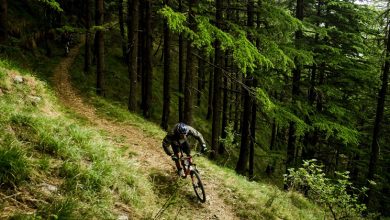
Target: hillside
(62,157)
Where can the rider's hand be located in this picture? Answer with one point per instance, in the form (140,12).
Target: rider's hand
(204,149)
(174,157)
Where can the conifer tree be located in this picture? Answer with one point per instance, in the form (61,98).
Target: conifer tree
(132,30)
(122,28)
(3,20)
(375,147)
(210,94)
(100,48)
(88,20)
(167,76)
(242,162)
(190,69)
(181,71)
(148,70)
(217,98)
(291,147)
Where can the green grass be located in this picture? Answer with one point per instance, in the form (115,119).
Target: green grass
(14,164)
(41,144)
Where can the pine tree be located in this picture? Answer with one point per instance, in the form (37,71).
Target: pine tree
(375,147)
(167,76)
(88,20)
(148,75)
(122,29)
(217,98)
(132,30)
(190,70)
(3,20)
(100,48)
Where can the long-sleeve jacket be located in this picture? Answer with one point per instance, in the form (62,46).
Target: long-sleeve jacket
(174,139)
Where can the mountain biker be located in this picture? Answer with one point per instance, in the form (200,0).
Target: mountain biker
(66,40)
(177,138)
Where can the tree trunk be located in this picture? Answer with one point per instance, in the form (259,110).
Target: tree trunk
(217,100)
(253,137)
(201,75)
(245,130)
(167,77)
(190,70)
(375,149)
(290,161)
(309,140)
(132,22)
(273,135)
(224,106)
(148,60)
(141,64)
(47,26)
(211,92)
(181,71)
(321,81)
(3,20)
(122,29)
(247,113)
(100,49)
(238,104)
(88,19)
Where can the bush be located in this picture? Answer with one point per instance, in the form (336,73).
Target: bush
(333,194)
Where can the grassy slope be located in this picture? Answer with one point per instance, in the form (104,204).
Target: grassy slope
(39,144)
(43,145)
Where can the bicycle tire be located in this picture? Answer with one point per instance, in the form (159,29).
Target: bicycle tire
(198,187)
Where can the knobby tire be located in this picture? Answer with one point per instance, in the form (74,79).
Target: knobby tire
(198,186)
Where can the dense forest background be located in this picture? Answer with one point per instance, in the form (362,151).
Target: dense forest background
(269,83)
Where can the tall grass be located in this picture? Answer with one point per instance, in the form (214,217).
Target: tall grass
(14,164)
(41,144)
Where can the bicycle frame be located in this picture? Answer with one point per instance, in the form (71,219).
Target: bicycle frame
(190,169)
(187,165)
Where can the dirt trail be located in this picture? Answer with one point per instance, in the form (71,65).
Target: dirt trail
(148,151)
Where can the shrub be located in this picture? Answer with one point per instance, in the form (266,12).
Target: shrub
(333,194)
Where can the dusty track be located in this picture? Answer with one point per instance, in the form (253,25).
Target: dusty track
(148,151)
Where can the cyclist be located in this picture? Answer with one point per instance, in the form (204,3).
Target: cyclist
(177,138)
(67,39)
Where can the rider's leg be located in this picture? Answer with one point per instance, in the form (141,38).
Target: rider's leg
(186,148)
(176,150)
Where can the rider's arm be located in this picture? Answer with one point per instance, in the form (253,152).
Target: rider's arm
(197,135)
(166,143)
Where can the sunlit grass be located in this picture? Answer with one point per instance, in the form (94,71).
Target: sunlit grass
(94,174)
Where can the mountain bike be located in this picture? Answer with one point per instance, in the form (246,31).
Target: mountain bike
(189,168)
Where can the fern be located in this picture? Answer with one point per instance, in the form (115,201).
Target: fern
(340,132)
(52,4)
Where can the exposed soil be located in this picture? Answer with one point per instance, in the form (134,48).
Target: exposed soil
(148,151)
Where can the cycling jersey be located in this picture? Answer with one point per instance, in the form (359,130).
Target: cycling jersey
(175,139)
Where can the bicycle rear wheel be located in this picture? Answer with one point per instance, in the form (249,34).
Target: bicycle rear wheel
(198,186)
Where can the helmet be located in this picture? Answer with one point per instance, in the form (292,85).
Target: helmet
(181,128)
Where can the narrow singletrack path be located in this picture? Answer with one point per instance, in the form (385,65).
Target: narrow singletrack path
(149,153)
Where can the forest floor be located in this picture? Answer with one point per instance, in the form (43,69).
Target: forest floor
(149,153)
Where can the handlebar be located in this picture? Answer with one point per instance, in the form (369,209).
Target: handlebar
(187,157)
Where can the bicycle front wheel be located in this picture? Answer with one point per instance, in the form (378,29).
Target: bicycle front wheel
(198,186)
